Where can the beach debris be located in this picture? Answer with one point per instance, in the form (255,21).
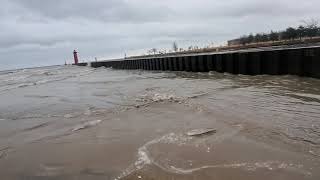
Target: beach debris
(139,177)
(200,132)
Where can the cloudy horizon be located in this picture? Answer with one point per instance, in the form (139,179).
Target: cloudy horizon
(38,32)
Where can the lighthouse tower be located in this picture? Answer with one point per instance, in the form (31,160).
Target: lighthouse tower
(75,56)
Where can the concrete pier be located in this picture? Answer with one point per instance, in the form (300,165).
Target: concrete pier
(303,61)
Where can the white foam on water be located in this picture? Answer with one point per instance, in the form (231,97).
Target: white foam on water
(156,97)
(68,116)
(143,154)
(152,97)
(162,97)
(86,125)
(144,158)
(176,170)
(71,115)
(249,166)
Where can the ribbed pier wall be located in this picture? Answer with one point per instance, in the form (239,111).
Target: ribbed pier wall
(82,64)
(298,61)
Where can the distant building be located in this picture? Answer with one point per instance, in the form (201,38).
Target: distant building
(234,42)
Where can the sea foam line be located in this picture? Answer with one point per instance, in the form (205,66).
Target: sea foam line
(144,158)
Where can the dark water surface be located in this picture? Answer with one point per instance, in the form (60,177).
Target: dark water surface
(66,122)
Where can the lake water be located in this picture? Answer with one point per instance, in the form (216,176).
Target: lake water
(68,122)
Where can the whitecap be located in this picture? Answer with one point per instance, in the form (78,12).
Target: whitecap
(162,97)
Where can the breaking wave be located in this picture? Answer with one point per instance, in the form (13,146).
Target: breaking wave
(155,94)
(32,77)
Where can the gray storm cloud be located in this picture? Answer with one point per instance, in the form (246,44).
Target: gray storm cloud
(38,32)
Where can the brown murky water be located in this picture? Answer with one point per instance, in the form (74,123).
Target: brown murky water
(84,123)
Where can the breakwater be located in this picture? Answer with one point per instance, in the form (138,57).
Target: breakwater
(303,61)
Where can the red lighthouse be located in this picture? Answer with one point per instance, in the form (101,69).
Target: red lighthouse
(75,56)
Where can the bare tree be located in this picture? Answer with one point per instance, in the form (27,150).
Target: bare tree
(310,23)
(175,47)
(211,44)
(311,27)
(154,51)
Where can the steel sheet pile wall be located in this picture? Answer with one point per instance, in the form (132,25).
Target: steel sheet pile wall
(302,62)
(82,64)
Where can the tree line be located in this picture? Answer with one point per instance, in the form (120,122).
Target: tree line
(308,30)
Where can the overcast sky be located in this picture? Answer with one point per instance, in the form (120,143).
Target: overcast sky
(45,32)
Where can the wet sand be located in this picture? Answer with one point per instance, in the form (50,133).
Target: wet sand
(139,130)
